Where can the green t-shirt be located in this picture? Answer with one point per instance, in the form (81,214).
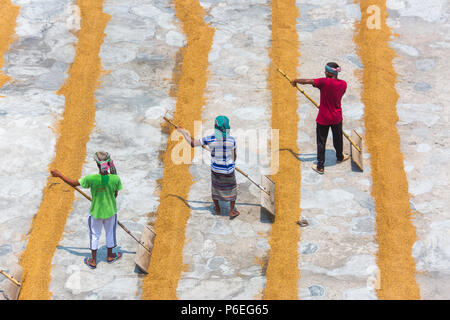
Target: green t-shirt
(103,189)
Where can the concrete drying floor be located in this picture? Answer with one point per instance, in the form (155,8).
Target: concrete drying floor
(340,254)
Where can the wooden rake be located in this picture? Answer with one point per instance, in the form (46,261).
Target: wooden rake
(12,290)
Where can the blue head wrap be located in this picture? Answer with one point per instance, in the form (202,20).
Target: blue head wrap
(332,70)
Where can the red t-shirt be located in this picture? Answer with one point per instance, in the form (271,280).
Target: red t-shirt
(331,92)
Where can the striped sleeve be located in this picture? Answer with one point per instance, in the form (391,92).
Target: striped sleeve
(207,140)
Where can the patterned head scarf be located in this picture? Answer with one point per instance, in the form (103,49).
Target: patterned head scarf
(333,68)
(104,162)
(222,127)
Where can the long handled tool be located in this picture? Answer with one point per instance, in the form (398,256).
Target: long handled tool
(356,146)
(145,247)
(13,289)
(267,185)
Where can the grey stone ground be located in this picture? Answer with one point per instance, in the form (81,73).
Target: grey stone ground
(224,255)
(337,251)
(141,41)
(37,62)
(424,132)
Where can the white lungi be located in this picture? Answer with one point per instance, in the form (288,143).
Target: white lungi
(95,230)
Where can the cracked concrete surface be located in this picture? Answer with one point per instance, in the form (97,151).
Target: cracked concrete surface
(226,258)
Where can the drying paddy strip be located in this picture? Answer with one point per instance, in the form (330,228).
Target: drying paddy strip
(338,248)
(200,59)
(395,231)
(73,130)
(167,257)
(138,52)
(282,272)
(424,129)
(8,15)
(226,258)
(36,63)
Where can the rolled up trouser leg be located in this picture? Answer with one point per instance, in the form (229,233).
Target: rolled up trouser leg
(110,230)
(95,230)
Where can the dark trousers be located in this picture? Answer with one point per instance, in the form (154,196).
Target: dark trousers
(321,138)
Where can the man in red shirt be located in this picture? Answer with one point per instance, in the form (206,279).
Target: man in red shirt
(330,113)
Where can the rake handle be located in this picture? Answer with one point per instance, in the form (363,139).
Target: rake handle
(132,235)
(170,122)
(176,127)
(251,180)
(351,141)
(237,169)
(317,106)
(11,278)
(298,88)
(118,222)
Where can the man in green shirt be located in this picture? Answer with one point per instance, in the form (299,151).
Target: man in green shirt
(103,212)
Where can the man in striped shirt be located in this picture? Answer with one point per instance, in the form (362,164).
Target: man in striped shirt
(223,157)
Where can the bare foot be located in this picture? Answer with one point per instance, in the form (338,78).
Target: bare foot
(217,210)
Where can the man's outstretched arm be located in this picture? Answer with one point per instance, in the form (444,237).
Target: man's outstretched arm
(302,81)
(57,174)
(187,136)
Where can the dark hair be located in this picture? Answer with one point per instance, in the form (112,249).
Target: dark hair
(333,65)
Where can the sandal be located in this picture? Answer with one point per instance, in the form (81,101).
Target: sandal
(234,214)
(86,262)
(117,256)
(303,223)
(345,158)
(319,171)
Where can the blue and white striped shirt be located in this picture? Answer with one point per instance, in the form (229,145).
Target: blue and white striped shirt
(222,155)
